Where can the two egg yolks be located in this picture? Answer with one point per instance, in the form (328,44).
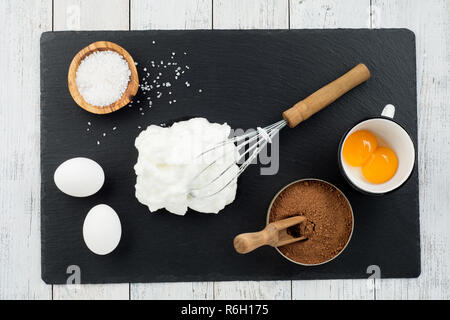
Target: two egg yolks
(361,149)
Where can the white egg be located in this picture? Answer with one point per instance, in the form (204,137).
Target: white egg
(102,229)
(79,177)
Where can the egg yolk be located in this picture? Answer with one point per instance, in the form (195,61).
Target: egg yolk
(381,166)
(358,147)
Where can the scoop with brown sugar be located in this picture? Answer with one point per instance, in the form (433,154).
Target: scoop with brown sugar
(310,222)
(328,223)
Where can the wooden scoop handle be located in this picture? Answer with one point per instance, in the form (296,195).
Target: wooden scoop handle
(326,95)
(246,242)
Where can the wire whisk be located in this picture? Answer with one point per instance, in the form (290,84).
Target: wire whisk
(247,148)
(240,151)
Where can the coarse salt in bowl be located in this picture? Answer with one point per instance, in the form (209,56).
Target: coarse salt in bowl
(103,77)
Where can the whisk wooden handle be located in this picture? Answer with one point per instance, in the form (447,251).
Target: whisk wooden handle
(326,95)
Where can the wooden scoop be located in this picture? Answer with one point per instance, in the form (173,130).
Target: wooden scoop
(274,234)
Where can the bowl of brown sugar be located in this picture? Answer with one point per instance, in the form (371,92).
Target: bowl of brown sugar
(328,226)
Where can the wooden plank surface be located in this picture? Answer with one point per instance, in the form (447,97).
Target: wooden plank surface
(254,14)
(430,21)
(21,26)
(171,14)
(320,14)
(19,191)
(91,15)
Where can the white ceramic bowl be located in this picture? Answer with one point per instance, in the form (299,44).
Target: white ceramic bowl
(390,134)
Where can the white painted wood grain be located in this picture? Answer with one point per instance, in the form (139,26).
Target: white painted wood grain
(20,28)
(250,14)
(172,291)
(91,15)
(252,290)
(430,21)
(333,290)
(310,14)
(91,292)
(306,14)
(20,265)
(171,14)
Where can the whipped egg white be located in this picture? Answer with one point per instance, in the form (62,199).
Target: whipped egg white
(171,172)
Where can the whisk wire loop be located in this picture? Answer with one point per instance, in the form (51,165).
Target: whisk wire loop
(250,143)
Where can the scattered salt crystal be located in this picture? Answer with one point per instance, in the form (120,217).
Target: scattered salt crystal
(89,123)
(98,142)
(145,69)
(114,128)
(187,84)
(87,129)
(187,67)
(102,77)
(153,41)
(168,84)
(199,90)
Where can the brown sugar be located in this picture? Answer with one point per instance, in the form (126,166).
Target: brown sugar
(329,220)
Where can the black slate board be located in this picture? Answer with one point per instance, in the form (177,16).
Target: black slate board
(247,79)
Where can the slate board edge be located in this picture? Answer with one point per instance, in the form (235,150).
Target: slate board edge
(48,35)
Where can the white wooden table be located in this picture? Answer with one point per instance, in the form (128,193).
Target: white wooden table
(23,21)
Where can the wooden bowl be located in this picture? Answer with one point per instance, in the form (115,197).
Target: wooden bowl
(130,92)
